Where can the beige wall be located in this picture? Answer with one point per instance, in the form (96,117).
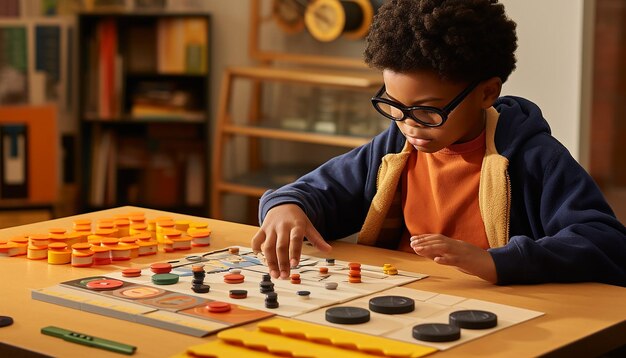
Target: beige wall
(554,38)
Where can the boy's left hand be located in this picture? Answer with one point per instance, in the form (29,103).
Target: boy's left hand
(465,256)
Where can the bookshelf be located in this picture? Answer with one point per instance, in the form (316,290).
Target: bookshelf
(144,110)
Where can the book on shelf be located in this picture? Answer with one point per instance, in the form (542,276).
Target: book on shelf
(141,49)
(9,8)
(48,60)
(182,45)
(13,65)
(164,99)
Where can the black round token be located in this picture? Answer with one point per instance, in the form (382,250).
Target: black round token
(436,332)
(5,321)
(473,319)
(392,304)
(347,315)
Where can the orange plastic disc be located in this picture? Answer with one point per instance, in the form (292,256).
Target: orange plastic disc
(102,285)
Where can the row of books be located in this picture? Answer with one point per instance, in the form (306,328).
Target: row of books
(44,83)
(125,170)
(37,8)
(173,46)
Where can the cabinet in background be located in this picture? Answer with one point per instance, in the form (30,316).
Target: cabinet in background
(144,110)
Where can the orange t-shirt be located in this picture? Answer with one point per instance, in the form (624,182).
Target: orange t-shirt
(440,194)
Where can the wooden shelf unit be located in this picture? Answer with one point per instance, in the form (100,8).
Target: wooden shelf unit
(253,129)
(158,149)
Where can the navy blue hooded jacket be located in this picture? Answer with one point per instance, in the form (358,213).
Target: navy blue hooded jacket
(545,218)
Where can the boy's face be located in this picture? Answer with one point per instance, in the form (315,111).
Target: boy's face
(424,88)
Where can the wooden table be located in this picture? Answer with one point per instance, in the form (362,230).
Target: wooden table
(580,319)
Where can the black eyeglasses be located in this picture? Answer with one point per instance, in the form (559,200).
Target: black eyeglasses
(425,115)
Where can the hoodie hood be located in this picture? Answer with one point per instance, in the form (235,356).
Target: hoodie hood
(520,120)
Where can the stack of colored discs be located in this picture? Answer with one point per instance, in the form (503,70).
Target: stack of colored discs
(271,300)
(218,307)
(304,294)
(295,278)
(131,272)
(161,267)
(266,285)
(234,278)
(238,294)
(390,269)
(354,275)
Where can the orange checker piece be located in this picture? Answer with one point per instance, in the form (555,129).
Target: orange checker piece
(131,272)
(295,278)
(146,247)
(57,230)
(12,249)
(323,270)
(101,255)
(39,239)
(106,232)
(354,279)
(82,255)
(233,278)
(161,267)
(37,252)
(354,266)
(200,237)
(354,273)
(218,307)
(59,254)
(136,219)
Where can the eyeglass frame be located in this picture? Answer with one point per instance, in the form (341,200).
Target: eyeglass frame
(408,111)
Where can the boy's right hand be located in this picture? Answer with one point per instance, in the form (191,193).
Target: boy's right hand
(280,238)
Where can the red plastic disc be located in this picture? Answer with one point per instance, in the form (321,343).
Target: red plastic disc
(161,267)
(131,272)
(102,285)
(218,307)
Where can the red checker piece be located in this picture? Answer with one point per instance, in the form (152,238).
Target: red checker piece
(218,307)
(161,267)
(354,266)
(131,272)
(234,278)
(354,273)
(102,285)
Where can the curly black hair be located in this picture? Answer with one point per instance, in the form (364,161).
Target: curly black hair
(461,40)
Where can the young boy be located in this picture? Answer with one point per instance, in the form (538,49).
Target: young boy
(461,176)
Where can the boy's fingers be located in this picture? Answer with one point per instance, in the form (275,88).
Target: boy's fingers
(257,241)
(316,239)
(269,250)
(295,246)
(282,254)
